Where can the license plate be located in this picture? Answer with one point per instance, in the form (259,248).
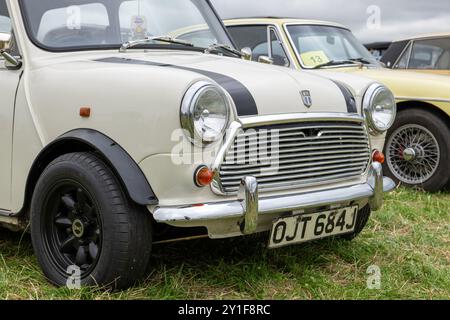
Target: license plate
(307,227)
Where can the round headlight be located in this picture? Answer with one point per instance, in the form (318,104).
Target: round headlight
(380,108)
(205,112)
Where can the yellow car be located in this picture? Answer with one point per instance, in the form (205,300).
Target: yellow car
(418,145)
(427,53)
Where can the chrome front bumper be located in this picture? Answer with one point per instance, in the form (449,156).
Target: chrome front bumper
(248,209)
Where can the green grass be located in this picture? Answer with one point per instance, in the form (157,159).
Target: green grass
(409,240)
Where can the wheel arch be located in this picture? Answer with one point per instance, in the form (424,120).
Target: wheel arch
(124,167)
(405,105)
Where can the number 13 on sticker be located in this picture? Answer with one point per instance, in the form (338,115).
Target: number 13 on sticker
(314,58)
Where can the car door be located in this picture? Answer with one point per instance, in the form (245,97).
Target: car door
(9,80)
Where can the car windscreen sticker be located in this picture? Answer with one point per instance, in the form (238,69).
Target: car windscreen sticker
(243,99)
(314,58)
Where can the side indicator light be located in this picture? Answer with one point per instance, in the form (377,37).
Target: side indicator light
(85,112)
(203,176)
(378,156)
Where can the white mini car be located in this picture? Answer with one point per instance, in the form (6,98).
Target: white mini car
(115,134)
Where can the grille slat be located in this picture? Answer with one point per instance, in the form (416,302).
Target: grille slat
(306,154)
(340,149)
(254,146)
(233,181)
(267,161)
(269,168)
(286,185)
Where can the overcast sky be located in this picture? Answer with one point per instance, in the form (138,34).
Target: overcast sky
(398,18)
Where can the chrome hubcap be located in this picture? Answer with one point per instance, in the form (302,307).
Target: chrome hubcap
(413,154)
(409,154)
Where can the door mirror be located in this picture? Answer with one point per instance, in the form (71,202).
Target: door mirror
(247,53)
(11,62)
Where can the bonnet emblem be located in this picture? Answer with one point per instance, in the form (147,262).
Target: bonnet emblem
(306,97)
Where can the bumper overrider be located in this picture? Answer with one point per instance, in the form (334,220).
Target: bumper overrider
(253,214)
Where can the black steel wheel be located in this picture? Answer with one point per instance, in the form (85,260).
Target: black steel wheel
(82,220)
(75,234)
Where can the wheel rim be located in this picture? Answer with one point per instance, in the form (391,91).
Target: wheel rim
(413,154)
(72,228)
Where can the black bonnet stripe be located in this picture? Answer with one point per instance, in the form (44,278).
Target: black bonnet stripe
(243,99)
(349,98)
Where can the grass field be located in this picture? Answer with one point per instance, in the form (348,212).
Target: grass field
(409,240)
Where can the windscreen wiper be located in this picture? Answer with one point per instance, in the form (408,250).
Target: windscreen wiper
(146,40)
(361,60)
(335,63)
(224,49)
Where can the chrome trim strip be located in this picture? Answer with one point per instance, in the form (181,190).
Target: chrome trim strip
(412,43)
(257,121)
(240,208)
(232,133)
(5,213)
(275,29)
(423,99)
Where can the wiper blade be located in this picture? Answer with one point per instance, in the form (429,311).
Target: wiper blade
(335,63)
(362,60)
(224,49)
(131,44)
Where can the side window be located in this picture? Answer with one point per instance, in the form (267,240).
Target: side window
(278,54)
(255,37)
(5,21)
(430,54)
(404,60)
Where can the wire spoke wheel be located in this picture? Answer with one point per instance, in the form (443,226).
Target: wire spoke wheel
(413,154)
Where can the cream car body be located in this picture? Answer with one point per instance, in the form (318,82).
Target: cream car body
(134,98)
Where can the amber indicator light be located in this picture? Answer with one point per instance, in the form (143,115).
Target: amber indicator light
(203,176)
(85,112)
(378,156)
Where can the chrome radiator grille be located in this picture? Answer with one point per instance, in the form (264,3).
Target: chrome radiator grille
(296,155)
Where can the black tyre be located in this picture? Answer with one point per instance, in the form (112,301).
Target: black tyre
(418,150)
(82,220)
(361,222)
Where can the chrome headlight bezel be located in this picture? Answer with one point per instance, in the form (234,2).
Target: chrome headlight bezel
(370,108)
(189,106)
